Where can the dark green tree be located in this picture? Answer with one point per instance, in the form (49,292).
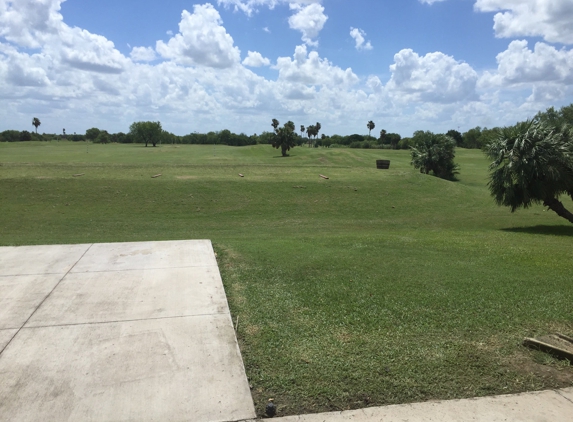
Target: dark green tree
(36,122)
(532,164)
(285,137)
(370,125)
(102,138)
(146,132)
(92,134)
(434,153)
(456,136)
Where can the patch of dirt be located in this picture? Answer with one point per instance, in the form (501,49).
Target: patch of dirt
(552,373)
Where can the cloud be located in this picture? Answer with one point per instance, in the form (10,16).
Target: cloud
(255,59)
(38,24)
(430,2)
(309,69)
(309,20)
(435,77)
(359,37)
(550,19)
(143,54)
(251,6)
(519,65)
(201,40)
(28,22)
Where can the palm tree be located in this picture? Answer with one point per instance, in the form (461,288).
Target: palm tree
(317,129)
(310,132)
(370,126)
(302,130)
(285,138)
(275,124)
(36,122)
(532,164)
(434,153)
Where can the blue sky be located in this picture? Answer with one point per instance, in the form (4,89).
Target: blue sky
(236,64)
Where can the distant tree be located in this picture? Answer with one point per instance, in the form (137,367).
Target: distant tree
(92,134)
(317,128)
(370,126)
(472,138)
(275,124)
(382,136)
(25,136)
(36,122)
(434,153)
(311,131)
(456,136)
(285,137)
(302,130)
(102,138)
(146,132)
(532,164)
(393,139)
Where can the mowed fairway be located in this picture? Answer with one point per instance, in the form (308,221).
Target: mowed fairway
(373,287)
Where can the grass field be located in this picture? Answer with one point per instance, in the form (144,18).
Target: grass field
(373,287)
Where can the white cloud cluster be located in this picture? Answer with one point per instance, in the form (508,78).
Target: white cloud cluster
(251,6)
(202,40)
(309,69)
(550,19)
(309,20)
(435,78)
(143,54)
(519,65)
(256,59)
(360,39)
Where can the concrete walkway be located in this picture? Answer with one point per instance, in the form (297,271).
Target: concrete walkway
(544,406)
(118,332)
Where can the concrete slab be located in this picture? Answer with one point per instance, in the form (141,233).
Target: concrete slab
(146,255)
(545,406)
(178,369)
(567,393)
(21,295)
(29,260)
(5,337)
(131,295)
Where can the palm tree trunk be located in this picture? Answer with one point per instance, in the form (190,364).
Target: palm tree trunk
(555,205)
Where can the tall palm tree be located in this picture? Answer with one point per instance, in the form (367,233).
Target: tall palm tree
(36,122)
(302,130)
(532,164)
(275,124)
(370,126)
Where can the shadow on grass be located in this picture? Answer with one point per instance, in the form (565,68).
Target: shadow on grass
(542,229)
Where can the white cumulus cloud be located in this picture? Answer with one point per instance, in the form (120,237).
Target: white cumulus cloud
(519,65)
(255,59)
(143,54)
(201,40)
(309,69)
(435,77)
(251,6)
(309,20)
(360,38)
(550,19)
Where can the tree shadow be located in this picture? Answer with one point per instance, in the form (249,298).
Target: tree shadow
(542,229)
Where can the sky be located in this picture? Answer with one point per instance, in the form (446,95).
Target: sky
(407,65)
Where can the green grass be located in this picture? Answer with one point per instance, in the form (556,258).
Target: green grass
(370,288)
